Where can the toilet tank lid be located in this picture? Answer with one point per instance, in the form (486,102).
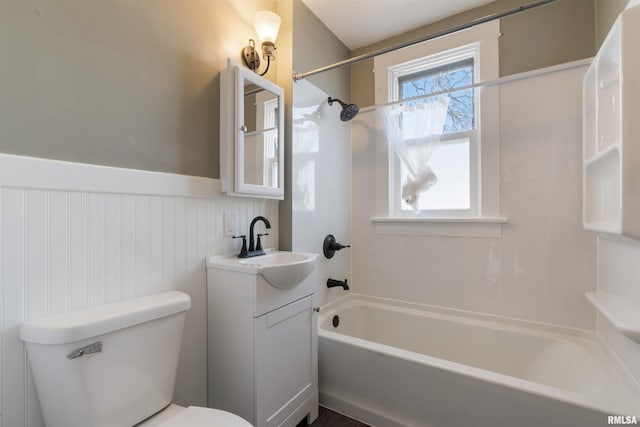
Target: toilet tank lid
(78,325)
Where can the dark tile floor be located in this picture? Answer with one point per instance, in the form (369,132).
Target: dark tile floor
(328,418)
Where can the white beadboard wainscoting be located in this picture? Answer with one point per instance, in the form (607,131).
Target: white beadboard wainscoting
(75,235)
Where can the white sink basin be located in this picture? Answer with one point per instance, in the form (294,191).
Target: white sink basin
(281,269)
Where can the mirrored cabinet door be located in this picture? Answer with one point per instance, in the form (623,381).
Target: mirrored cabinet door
(261,144)
(251,145)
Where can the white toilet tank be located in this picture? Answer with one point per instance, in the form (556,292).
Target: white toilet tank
(107,366)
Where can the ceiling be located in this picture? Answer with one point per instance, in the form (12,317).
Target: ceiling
(359,23)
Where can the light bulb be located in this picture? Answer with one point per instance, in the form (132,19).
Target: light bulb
(267,25)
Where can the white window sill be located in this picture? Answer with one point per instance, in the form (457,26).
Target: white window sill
(488,227)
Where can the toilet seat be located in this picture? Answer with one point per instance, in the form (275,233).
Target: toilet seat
(195,416)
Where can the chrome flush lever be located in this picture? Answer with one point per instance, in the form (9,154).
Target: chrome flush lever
(96,347)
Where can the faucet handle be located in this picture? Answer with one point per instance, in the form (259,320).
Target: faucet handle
(243,252)
(330,246)
(259,243)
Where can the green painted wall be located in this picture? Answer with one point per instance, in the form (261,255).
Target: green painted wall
(606,13)
(119,82)
(555,33)
(135,84)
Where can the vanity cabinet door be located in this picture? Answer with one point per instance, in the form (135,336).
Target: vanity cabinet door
(285,362)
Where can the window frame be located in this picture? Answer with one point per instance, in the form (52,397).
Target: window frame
(395,73)
(484,38)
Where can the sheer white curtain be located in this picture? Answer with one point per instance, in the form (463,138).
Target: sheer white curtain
(414,132)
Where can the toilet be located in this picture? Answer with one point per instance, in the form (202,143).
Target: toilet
(115,366)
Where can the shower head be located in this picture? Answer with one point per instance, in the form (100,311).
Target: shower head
(349,111)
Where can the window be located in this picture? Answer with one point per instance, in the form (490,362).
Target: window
(466,161)
(270,155)
(437,78)
(455,159)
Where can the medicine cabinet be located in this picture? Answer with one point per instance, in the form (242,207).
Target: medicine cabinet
(611,132)
(251,134)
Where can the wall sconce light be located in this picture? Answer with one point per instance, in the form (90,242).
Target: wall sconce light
(267,25)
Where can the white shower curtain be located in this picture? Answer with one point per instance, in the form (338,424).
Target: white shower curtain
(414,132)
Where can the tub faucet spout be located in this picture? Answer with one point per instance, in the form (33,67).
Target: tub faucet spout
(331,283)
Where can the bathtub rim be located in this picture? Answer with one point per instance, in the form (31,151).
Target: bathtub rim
(505,323)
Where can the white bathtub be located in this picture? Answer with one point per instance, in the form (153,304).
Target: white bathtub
(390,363)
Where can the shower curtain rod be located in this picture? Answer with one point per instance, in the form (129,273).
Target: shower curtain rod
(472,23)
(501,80)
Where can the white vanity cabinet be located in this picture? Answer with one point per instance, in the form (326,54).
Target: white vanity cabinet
(262,348)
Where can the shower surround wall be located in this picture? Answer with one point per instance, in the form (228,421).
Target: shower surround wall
(543,263)
(321,183)
(318,201)
(76,235)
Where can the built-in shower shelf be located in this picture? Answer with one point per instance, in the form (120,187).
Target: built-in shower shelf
(611,150)
(624,315)
(603,227)
(611,162)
